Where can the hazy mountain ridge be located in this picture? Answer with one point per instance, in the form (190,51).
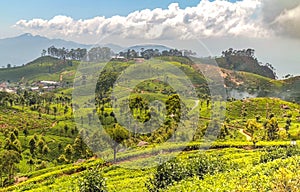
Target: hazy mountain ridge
(149,46)
(26,47)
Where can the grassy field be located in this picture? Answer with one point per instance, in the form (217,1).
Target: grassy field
(251,151)
(43,68)
(239,169)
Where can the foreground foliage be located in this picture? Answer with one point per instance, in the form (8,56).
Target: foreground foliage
(92,180)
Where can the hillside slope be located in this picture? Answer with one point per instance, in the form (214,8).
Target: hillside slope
(42,68)
(245,63)
(239,84)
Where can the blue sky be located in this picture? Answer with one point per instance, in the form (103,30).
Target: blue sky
(19,9)
(14,10)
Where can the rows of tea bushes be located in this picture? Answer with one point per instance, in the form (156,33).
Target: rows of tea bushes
(278,176)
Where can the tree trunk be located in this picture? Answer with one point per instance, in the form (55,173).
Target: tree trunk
(115,152)
(1,181)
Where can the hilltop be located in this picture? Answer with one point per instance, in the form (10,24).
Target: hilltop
(42,68)
(240,84)
(240,60)
(245,63)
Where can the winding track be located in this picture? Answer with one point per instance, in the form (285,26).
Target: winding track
(246,135)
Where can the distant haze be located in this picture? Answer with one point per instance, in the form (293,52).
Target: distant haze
(25,48)
(282,53)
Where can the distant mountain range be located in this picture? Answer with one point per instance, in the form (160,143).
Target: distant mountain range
(24,48)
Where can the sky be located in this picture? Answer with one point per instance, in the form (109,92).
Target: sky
(15,10)
(271,27)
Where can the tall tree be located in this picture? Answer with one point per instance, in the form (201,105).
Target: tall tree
(173,107)
(8,164)
(69,151)
(272,128)
(32,145)
(118,135)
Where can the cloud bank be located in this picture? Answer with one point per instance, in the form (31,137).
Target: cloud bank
(219,18)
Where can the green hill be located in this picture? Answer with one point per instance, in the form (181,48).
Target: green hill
(291,90)
(287,89)
(43,68)
(244,84)
(245,63)
(49,68)
(239,60)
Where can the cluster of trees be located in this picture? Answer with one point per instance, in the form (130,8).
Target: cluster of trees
(266,130)
(47,103)
(244,60)
(139,108)
(36,147)
(92,55)
(149,53)
(10,156)
(11,153)
(75,151)
(244,52)
(105,53)
(258,128)
(63,53)
(141,112)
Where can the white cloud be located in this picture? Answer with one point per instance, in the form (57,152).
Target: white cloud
(288,22)
(282,17)
(273,8)
(208,19)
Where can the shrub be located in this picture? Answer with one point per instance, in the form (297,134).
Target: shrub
(166,174)
(176,170)
(92,180)
(273,153)
(206,164)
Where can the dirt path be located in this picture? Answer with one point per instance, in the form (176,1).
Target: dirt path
(54,124)
(196,104)
(248,137)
